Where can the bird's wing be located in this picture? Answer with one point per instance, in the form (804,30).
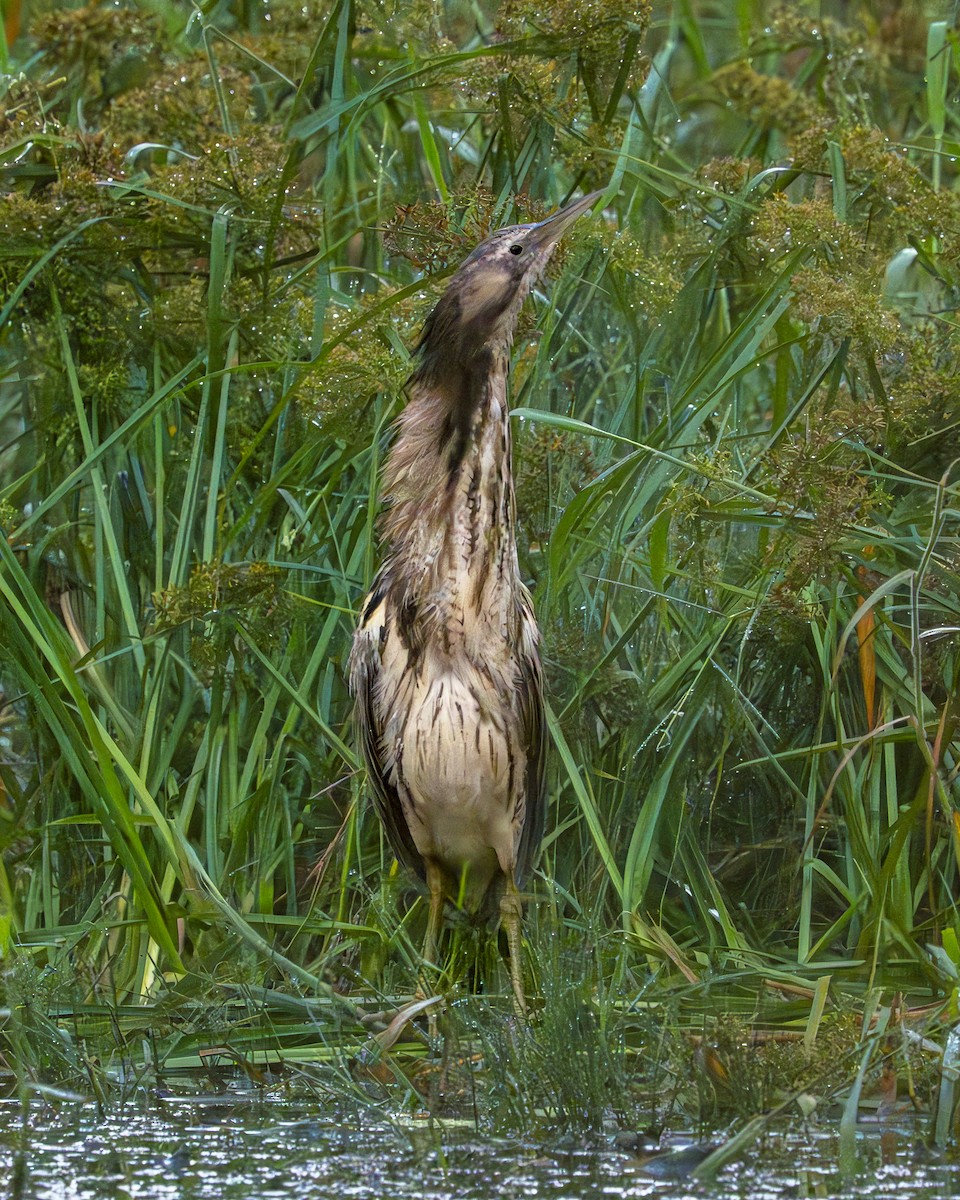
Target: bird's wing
(367,685)
(530,698)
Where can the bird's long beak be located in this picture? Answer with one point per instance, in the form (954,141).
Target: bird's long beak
(551,230)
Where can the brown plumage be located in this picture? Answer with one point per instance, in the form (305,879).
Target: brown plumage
(445,667)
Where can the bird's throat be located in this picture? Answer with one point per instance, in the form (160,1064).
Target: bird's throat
(450,524)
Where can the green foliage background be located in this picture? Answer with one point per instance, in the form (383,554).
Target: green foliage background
(736,467)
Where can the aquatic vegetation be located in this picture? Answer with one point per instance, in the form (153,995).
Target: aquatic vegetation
(736,451)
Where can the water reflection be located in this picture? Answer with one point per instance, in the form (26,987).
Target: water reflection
(267,1150)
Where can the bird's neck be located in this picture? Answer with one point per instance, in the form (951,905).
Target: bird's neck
(449,486)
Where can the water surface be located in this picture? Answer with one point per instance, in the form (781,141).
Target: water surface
(264,1150)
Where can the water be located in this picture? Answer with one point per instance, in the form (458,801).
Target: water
(264,1150)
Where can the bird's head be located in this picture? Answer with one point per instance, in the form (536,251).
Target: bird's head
(480,307)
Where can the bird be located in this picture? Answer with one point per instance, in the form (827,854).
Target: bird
(445,667)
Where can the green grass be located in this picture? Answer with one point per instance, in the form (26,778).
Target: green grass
(736,445)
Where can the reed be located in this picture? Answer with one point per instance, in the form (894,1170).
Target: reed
(737,455)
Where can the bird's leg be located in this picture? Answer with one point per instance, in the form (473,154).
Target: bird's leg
(434,916)
(511,910)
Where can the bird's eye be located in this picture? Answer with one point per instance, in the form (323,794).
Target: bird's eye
(516,248)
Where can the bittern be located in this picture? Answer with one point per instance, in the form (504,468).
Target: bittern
(445,665)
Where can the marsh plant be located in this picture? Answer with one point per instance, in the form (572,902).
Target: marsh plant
(736,438)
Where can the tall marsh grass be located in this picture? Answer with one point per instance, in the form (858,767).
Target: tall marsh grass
(737,453)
